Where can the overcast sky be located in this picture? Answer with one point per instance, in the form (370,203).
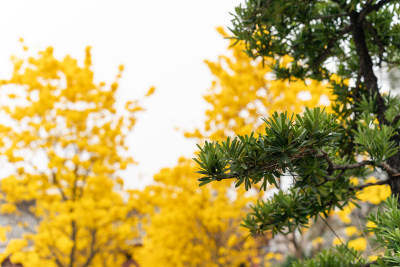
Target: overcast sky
(161,43)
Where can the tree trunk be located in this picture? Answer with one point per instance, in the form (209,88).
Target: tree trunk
(371,83)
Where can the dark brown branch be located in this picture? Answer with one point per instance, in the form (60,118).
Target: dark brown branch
(375,7)
(73,239)
(331,167)
(368,184)
(58,185)
(54,255)
(331,44)
(363,12)
(57,260)
(374,34)
(391,171)
(353,166)
(92,250)
(366,65)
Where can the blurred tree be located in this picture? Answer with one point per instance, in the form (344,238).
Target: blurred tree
(191,226)
(244,91)
(322,152)
(64,137)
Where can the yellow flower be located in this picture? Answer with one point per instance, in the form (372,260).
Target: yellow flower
(371,224)
(317,241)
(351,230)
(374,194)
(151,91)
(3,232)
(336,241)
(358,244)
(373,257)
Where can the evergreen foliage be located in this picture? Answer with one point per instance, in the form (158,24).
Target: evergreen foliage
(320,151)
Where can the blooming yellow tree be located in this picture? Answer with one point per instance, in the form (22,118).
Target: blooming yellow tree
(192,226)
(64,139)
(244,91)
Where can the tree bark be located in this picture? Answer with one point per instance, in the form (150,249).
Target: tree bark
(371,83)
(366,65)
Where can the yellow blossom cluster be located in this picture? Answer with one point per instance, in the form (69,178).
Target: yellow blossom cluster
(192,226)
(244,91)
(64,136)
(373,195)
(359,243)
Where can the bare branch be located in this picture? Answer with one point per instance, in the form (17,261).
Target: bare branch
(54,254)
(73,239)
(58,185)
(331,167)
(354,165)
(92,250)
(369,184)
(391,171)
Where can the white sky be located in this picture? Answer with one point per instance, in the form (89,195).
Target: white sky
(161,43)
